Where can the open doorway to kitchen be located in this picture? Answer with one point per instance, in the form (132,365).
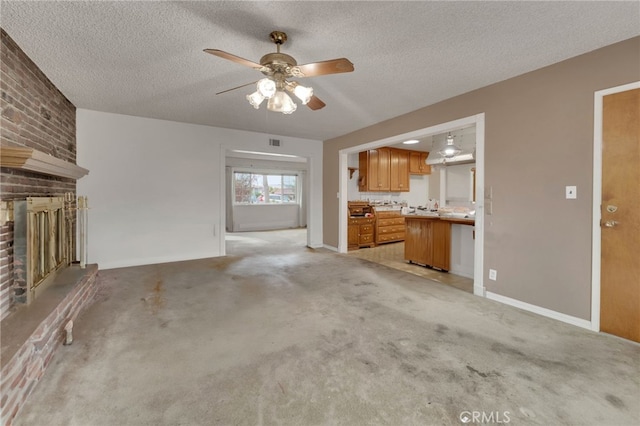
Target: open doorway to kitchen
(449,192)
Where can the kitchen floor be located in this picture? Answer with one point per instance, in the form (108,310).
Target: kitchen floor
(392,255)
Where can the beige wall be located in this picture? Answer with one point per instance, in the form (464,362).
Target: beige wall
(538,139)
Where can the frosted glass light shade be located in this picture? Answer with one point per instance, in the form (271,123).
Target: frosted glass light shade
(267,87)
(255,99)
(450,151)
(281,102)
(303,93)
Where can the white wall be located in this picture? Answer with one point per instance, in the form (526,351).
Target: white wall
(459,185)
(261,217)
(156,188)
(462,250)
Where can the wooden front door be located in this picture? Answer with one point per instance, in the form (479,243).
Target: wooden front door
(620,213)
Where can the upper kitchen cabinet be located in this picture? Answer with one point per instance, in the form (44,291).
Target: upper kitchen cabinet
(399,170)
(418,163)
(384,170)
(375,172)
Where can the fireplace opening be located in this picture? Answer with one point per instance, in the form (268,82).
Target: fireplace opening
(43,242)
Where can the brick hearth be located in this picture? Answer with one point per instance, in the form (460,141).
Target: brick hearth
(31,334)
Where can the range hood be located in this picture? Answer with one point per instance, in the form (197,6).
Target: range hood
(458,159)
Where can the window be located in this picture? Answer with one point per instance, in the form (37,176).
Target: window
(257,188)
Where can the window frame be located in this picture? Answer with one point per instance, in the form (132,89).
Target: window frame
(261,176)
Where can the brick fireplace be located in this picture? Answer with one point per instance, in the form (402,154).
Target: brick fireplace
(37,162)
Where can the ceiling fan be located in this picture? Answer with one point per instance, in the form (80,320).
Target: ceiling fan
(278,69)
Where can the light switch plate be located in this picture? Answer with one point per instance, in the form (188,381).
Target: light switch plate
(571,192)
(488,193)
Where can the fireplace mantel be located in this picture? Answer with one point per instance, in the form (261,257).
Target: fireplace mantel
(36,161)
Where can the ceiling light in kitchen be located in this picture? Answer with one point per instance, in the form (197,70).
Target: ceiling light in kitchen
(450,149)
(411,142)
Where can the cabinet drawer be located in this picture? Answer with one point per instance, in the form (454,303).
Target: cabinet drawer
(366,229)
(391,221)
(366,238)
(391,230)
(391,237)
(362,220)
(389,215)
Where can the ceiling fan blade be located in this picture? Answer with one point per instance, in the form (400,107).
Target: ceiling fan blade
(315,103)
(238,87)
(333,66)
(237,59)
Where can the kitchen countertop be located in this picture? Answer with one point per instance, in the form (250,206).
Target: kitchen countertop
(452,219)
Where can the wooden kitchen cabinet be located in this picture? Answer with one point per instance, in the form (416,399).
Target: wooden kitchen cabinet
(388,169)
(353,232)
(390,227)
(360,232)
(375,170)
(428,242)
(417,163)
(399,170)
(441,240)
(416,248)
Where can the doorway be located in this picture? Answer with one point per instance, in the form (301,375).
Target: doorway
(478,122)
(265,193)
(616,212)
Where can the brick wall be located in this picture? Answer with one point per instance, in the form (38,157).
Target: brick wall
(37,115)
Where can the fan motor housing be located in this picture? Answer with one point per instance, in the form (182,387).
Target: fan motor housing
(278,59)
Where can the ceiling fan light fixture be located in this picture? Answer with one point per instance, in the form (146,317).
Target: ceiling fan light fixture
(255,99)
(303,93)
(281,102)
(278,67)
(266,87)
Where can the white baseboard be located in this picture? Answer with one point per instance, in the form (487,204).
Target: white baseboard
(328,247)
(540,311)
(265,226)
(154,260)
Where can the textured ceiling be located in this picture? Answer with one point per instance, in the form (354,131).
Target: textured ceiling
(146,59)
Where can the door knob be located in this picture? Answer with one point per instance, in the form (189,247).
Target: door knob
(610,223)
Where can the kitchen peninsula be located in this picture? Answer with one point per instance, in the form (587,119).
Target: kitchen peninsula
(428,239)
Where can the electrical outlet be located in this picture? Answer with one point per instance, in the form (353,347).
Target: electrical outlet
(571,192)
(493,274)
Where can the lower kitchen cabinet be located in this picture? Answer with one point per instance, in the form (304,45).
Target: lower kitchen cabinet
(428,242)
(360,232)
(389,227)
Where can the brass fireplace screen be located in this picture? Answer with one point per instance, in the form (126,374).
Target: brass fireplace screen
(43,241)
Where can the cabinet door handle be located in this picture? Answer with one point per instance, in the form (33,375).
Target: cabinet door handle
(610,223)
